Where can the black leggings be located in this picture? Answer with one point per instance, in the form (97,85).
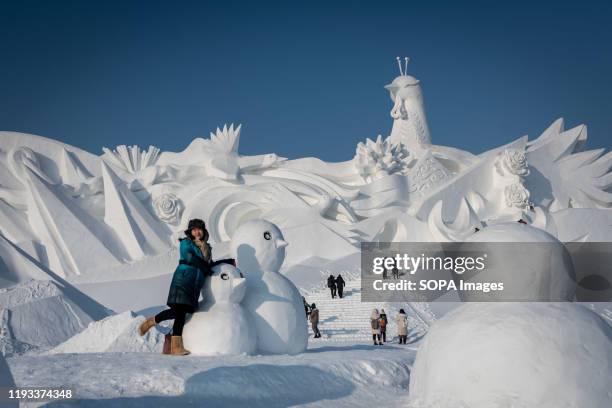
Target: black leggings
(176,312)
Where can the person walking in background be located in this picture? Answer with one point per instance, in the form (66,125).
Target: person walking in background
(383,325)
(402,326)
(375,324)
(306,306)
(340,285)
(331,284)
(395,271)
(314,320)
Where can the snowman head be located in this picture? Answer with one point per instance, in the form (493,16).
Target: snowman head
(258,246)
(226,284)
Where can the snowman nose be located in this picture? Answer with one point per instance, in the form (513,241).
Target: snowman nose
(281,243)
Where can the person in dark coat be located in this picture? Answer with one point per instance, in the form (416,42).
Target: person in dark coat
(195,265)
(331,284)
(306,306)
(383,325)
(340,285)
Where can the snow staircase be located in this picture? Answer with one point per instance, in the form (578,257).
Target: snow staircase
(348,319)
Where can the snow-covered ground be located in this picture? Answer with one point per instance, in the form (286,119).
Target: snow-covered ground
(340,374)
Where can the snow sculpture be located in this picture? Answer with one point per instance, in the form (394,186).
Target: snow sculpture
(135,227)
(542,271)
(274,303)
(572,176)
(511,166)
(221,326)
(426,174)
(379,158)
(168,207)
(410,125)
(132,158)
(512,161)
(56,199)
(517,196)
(483,355)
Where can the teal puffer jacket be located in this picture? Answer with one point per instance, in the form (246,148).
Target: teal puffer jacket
(188,277)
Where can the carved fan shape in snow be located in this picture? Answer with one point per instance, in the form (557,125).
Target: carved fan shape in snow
(132,158)
(226,139)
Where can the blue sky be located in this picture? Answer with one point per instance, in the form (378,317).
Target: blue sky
(304,78)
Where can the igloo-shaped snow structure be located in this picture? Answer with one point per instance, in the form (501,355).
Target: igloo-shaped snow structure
(532,264)
(484,355)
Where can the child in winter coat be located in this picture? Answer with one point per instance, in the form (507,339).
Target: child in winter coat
(314,320)
(383,325)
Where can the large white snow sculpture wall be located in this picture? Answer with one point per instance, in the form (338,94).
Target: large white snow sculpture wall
(74,213)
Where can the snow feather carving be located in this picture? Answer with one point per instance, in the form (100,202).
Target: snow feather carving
(575,178)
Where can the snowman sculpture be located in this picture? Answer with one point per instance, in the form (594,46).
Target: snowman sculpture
(273,302)
(221,326)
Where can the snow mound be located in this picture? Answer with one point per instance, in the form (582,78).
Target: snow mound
(118,333)
(39,314)
(515,355)
(541,270)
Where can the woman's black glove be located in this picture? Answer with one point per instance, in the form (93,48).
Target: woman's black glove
(200,263)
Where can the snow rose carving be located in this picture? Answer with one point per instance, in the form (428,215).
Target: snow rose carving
(517,196)
(513,161)
(168,207)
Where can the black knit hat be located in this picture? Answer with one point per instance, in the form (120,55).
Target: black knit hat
(195,223)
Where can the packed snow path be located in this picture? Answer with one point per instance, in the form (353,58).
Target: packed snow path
(348,318)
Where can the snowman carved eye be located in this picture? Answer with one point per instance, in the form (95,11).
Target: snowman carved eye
(224,276)
(267,235)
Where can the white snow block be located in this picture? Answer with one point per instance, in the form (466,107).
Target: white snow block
(42,314)
(139,232)
(545,355)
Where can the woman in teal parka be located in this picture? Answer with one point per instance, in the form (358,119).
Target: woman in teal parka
(195,265)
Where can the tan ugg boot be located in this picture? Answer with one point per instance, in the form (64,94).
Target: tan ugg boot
(176,346)
(146,325)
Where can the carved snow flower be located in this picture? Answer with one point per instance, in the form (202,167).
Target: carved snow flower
(514,162)
(517,196)
(374,159)
(168,207)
